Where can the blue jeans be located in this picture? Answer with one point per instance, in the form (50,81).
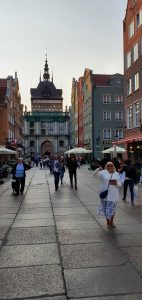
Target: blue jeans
(129,182)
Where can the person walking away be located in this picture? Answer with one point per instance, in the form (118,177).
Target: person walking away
(62,168)
(72,167)
(56,171)
(109,179)
(130,180)
(19,174)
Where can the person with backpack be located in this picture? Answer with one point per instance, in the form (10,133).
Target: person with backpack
(130,180)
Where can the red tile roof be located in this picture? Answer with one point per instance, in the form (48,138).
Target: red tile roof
(101,79)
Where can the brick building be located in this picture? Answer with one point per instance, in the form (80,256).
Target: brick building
(11,111)
(132,35)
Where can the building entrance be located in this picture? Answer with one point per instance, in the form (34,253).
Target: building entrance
(46,148)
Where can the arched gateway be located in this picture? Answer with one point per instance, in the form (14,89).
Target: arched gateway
(46,148)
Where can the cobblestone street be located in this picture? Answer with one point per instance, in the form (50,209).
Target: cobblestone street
(54,245)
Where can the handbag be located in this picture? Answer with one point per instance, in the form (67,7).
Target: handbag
(136,191)
(103,194)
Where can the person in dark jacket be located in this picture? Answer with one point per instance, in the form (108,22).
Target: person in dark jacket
(19,174)
(72,167)
(130,180)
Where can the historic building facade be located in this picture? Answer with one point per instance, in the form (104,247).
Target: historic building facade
(46,128)
(132,35)
(11,111)
(107,110)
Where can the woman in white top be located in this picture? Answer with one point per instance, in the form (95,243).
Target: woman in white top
(110,177)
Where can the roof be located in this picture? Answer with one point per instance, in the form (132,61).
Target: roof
(46,90)
(101,79)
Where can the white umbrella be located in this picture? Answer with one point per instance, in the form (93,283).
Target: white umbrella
(4,150)
(78,150)
(114,149)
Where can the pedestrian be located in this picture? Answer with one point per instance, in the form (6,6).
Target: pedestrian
(19,174)
(62,161)
(131,179)
(109,179)
(56,171)
(72,167)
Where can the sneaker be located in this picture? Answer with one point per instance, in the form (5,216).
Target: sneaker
(76,187)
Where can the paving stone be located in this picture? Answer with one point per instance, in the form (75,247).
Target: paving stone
(116,297)
(3,231)
(35,210)
(67,204)
(81,236)
(31,282)
(90,282)
(32,223)
(34,216)
(69,211)
(72,218)
(35,205)
(31,200)
(50,298)
(131,228)
(7,216)
(5,222)
(77,225)
(10,210)
(28,255)
(33,235)
(135,255)
(91,255)
(126,240)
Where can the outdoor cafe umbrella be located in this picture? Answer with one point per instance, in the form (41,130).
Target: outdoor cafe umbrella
(4,150)
(114,149)
(78,150)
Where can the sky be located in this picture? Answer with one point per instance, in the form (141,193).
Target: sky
(75,34)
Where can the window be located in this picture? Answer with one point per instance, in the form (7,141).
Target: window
(118,99)
(61,128)
(107,116)
(119,134)
(106,99)
(50,128)
(119,116)
(42,131)
(107,134)
(136,114)
(43,124)
(128,59)
(31,124)
(136,81)
(135,57)
(131,29)
(32,143)
(31,131)
(61,143)
(129,87)
(129,117)
(139,19)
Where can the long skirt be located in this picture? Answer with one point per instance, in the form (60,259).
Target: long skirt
(107,208)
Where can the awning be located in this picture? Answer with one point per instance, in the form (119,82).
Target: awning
(137,137)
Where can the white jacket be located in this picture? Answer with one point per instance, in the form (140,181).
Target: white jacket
(113,190)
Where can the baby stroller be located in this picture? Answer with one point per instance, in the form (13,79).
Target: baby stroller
(14,185)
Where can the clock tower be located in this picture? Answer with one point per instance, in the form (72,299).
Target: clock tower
(46,97)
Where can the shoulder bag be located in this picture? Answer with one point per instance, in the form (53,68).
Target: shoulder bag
(103,194)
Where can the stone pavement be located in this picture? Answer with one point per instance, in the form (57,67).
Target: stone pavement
(55,246)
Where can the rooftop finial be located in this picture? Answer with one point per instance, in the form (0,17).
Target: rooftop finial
(46,75)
